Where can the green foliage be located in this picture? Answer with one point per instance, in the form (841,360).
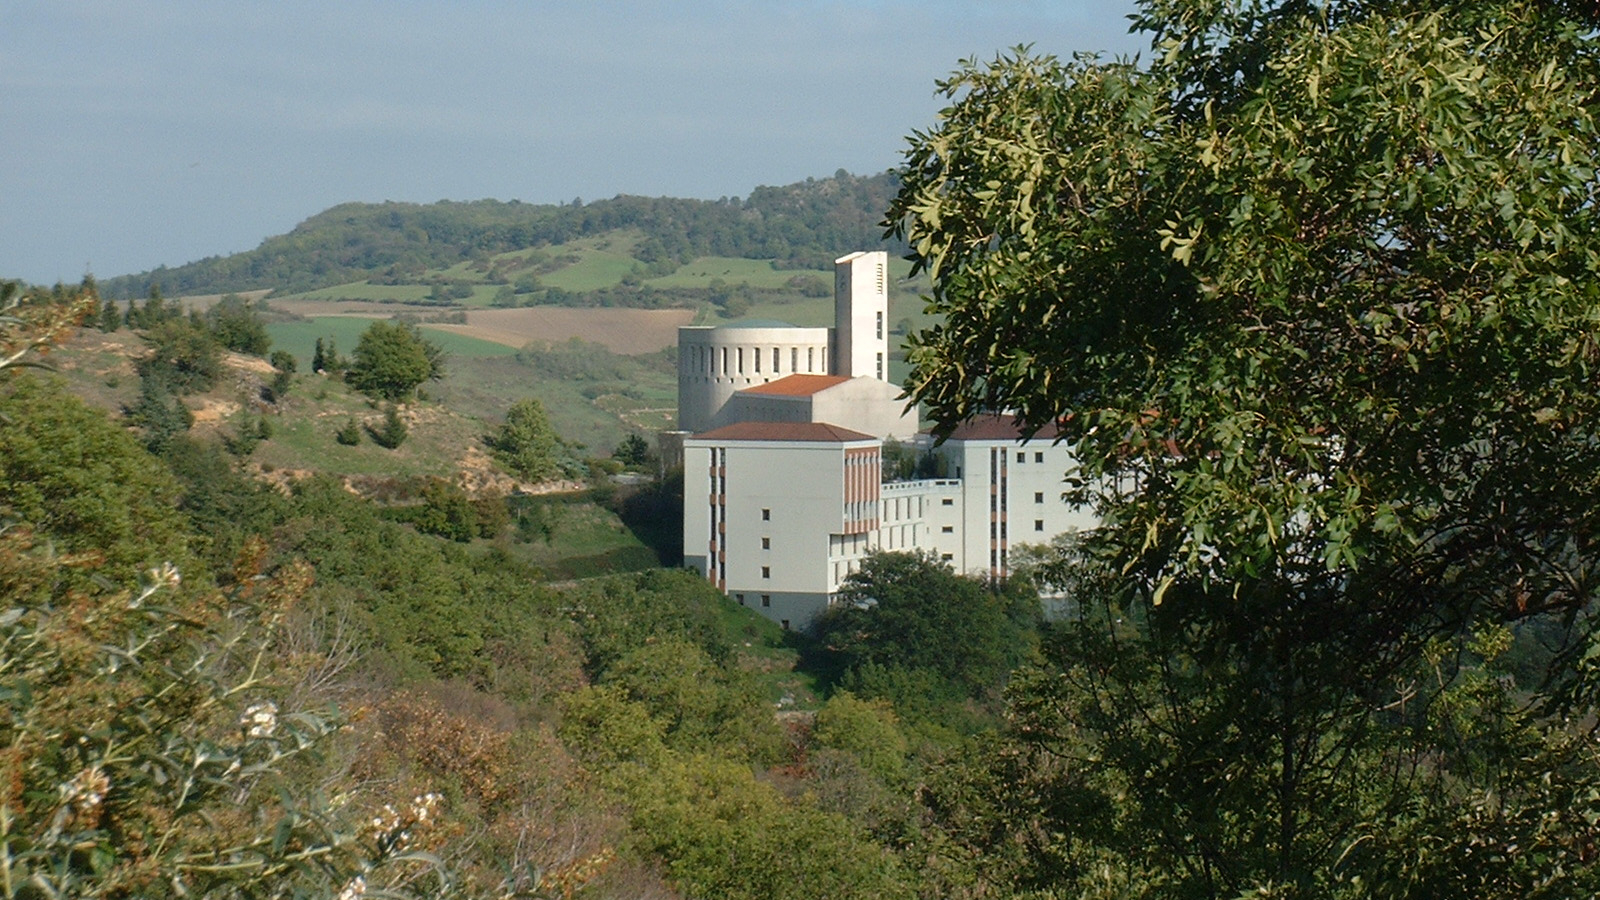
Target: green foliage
(161,414)
(326,359)
(725,834)
(391,360)
(622,613)
(84,483)
(110,316)
(1312,296)
(237,326)
(248,429)
(147,750)
(283,365)
(633,452)
(184,358)
(446,511)
(349,434)
(901,611)
(526,444)
(867,729)
(223,506)
(392,433)
(155,311)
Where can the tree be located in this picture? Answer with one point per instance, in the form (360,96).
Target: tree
(184,359)
(326,358)
(237,326)
(283,365)
(526,444)
(392,359)
(906,612)
(633,452)
(446,511)
(392,433)
(1312,297)
(110,316)
(349,434)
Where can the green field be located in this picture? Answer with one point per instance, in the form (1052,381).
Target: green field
(757,273)
(361,290)
(300,338)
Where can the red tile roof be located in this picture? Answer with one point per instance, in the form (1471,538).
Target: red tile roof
(797,385)
(784,431)
(992,427)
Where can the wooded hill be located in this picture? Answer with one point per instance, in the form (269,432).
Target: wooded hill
(802,226)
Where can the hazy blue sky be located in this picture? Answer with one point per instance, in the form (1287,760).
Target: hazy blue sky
(140,133)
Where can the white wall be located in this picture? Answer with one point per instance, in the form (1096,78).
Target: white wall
(861,315)
(713,362)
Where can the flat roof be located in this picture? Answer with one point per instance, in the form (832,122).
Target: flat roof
(818,432)
(797,385)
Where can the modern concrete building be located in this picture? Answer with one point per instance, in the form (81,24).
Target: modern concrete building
(784,490)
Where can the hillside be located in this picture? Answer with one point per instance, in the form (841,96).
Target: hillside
(798,226)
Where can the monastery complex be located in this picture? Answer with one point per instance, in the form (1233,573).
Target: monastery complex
(784,486)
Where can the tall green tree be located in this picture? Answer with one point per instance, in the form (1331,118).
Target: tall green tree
(391,359)
(1313,296)
(526,444)
(906,613)
(237,326)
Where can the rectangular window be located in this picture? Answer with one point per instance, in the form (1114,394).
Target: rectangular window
(766,599)
(880,367)
(740,598)
(774,360)
(766,571)
(1038,524)
(947,501)
(880,326)
(1038,496)
(947,556)
(948,529)
(1022,457)
(766,515)
(766,543)
(1038,456)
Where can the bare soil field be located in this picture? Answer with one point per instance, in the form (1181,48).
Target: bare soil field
(626,331)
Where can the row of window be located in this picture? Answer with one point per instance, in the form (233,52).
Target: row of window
(706,360)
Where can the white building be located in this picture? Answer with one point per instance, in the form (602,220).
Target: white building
(783,478)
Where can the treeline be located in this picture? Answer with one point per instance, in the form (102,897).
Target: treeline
(803,225)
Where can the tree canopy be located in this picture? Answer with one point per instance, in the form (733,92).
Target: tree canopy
(391,359)
(526,444)
(1313,295)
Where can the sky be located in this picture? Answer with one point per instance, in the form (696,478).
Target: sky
(135,134)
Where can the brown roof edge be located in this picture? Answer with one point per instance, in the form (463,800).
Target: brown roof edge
(796,385)
(821,432)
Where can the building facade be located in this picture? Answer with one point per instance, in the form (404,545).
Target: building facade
(784,487)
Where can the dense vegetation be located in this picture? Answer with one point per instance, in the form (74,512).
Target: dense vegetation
(1313,295)
(800,226)
(351,697)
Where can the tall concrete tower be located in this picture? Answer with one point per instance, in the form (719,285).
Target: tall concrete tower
(861,314)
